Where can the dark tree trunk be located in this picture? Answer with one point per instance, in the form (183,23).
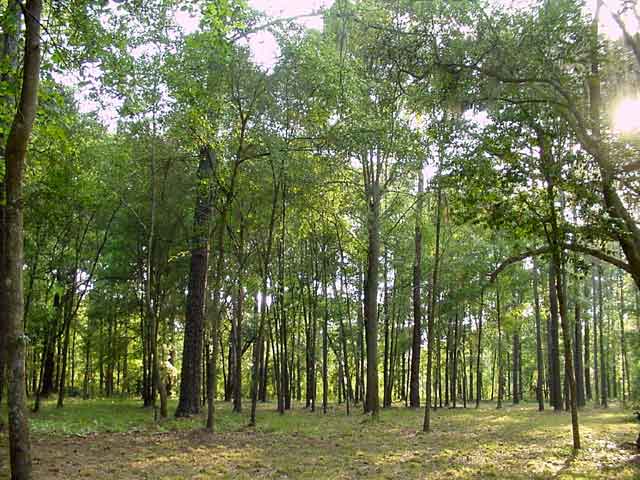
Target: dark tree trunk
(604,397)
(9,58)
(499,349)
(626,383)
(587,351)
(579,369)
(454,361)
(416,342)
(479,353)
(372,403)
(13,314)
(237,330)
(386,391)
(594,310)
(554,350)
(191,372)
(325,336)
(539,355)
(515,394)
(433,298)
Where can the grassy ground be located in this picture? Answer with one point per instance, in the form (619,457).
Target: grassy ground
(105,439)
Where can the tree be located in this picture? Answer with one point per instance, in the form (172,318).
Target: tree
(15,156)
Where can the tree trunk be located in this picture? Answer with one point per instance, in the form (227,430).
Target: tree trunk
(515,394)
(191,372)
(433,298)
(9,58)
(479,355)
(626,383)
(539,355)
(372,403)
(587,350)
(604,397)
(579,369)
(499,349)
(416,342)
(13,318)
(325,336)
(554,358)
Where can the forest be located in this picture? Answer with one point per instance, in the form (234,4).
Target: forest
(354,239)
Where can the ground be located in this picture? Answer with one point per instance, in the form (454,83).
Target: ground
(117,439)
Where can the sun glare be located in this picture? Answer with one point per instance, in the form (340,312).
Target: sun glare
(626,117)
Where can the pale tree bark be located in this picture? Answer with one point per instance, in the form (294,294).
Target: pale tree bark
(15,156)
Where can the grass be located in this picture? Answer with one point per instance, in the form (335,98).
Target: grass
(118,439)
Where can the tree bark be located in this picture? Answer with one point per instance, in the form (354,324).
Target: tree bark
(554,355)
(539,355)
(15,156)
(8,57)
(433,298)
(479,353)
(191,372)
(371,300)
(416,342)
(604,397)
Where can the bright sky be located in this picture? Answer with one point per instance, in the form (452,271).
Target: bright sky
(265,49)
(263,45)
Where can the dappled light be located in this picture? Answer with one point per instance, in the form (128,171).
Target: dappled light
(273,239)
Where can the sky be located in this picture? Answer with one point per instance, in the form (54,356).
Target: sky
(265,50)
(263,45)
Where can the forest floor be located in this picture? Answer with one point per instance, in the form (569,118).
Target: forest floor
(117,439)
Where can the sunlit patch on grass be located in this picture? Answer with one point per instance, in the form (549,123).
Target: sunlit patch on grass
(118,439)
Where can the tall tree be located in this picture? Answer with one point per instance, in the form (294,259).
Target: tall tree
(15,156)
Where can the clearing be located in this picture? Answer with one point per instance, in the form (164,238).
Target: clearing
(107,439)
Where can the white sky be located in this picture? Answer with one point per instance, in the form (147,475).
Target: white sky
(265,49)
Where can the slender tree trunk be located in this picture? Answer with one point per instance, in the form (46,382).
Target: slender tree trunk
(433,298)
(515,394)
(499,350)
(325,336)
(579,369)
(13,261)
(386,400)
(479,353)
(594,310)
(454,361)
(416,342)
(626,384)
(539,355)
(372,403)
(9,58)
(604,398)
(587,349)
(554,366)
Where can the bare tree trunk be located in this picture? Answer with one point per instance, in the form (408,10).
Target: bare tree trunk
(478,367)
(499,350)
(416,342)
(604,398)
(554,366)
(191,373)
(587,349)
(433,298)
(539,356)
(8,57)
(15,155)
(372,403)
